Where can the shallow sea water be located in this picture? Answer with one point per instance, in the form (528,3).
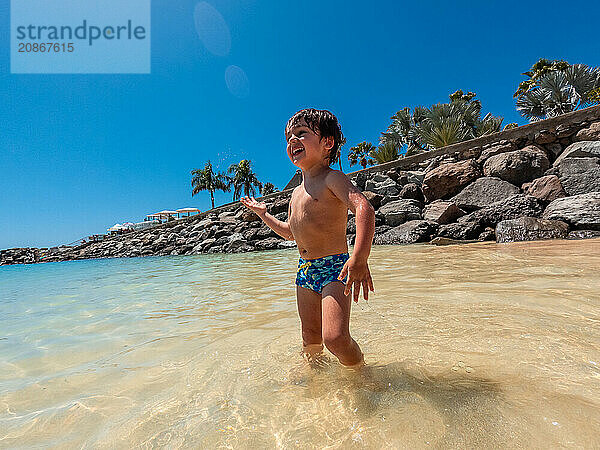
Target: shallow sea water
(481,345)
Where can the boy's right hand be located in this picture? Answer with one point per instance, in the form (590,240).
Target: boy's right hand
(260,208)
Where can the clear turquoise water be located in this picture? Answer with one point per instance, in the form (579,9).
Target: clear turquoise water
(486,345)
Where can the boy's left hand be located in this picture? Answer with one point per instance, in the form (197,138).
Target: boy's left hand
(358,274)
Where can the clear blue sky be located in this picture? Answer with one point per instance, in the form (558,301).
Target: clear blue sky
(81,152)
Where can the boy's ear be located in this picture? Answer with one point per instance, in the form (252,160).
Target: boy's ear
(329,141)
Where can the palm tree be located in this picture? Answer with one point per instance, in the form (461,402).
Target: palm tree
(557,87)
(439,125)
(243,179)
(207,180)
(385,153)
(268,188)
(360,154)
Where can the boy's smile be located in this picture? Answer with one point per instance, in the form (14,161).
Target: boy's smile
(305,148)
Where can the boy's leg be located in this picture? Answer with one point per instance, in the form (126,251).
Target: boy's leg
(336,325)
(309,309)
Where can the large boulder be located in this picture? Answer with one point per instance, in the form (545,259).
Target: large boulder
(530,229)
(460,231)
(268,243)
(580,211)
(515,206)
(279,206)
(400,211)
(584,149)
(442,212)
(408,233)
(448,179)
(580,175)
(591,133)
(519,166)
(483,192)
(547,188)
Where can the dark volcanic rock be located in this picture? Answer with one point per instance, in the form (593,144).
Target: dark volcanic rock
(580,211)
(515,206)
(268,243)
(446,180)
(442,212)
(400,211)
(460,231)
(487,235)
(546,188)
(483,192)
(408,233)
(279,206)
(519,166)
(412,190)
(580,175)
(374,199)
(530,229)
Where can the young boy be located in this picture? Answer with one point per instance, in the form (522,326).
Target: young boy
(317,220)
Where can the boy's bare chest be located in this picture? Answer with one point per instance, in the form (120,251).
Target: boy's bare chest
(315,205)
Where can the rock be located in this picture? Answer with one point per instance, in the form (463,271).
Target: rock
(249,216)
(544,137)
(227,217)
(389,198)
(223,240)
(519,166)
(447,241)
(279,206)
(392,174)
(515,206)
(281,216)
(585,149)
(580,175)
(584,234)
(495,150)
(268,243)
(580,211)
(264,232)
(360,179)
(400,211)
(483,192)
(412,190)
(553,150)
(250,234)
(530,229)
(442,212)
(388,187)
(447,179)
(351,226)
(236,241)
(374,199)
(408,233)
(460,231)
(487,235)
(287,244)
(379,177)
(414,176)
(591,133)
(546,188)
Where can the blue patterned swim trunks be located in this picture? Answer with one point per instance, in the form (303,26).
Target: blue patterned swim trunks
(314,274)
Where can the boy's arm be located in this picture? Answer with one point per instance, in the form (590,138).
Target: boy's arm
(260,208)
(356,267)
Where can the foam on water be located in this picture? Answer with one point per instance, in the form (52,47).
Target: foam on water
(482,345)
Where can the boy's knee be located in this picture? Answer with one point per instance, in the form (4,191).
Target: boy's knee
(336,342)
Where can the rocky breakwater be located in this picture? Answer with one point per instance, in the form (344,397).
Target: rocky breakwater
(537,185)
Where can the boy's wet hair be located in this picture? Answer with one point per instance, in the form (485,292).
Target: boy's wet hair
(325,124)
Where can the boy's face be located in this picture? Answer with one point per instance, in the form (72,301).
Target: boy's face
(305,148)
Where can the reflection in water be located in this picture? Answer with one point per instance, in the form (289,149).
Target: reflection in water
(482,345)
